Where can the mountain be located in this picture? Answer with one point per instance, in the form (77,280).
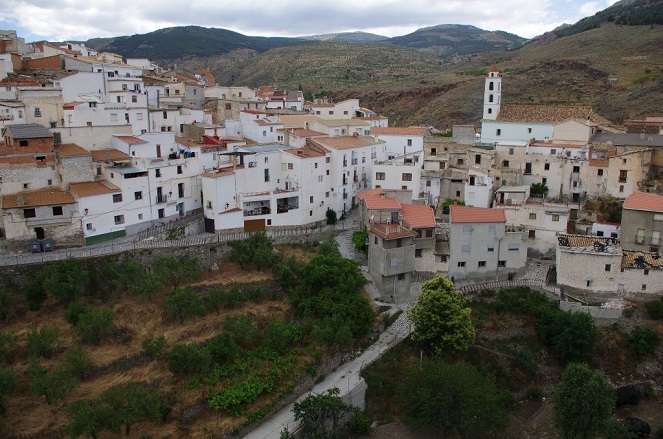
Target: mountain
(347,37)
(175,43)
(457,39)
(629,12)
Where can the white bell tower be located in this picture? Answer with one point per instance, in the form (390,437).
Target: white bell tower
(492,94)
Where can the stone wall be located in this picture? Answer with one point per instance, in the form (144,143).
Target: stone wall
(594,311)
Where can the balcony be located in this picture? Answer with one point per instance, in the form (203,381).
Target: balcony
(7,117)
(345,163)
(161,199)
(639,239)
(655,241)
(354,161)
(345,195)
(264,210)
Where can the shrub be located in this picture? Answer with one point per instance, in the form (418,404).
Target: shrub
(74,312)
(183,303)
(154,346)
(188,359)
(331,216)
(655,309)
(40,342)
(95,325)
(535,393)
(77,362)
(643,340)
(222,348)
(34,295)
(7,345)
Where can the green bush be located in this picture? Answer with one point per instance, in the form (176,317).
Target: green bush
(41,342)
(95,325)
(154,346)
(183,303)
(74,312)
(655,309)
(188,359)
(222,348)
(7,345)
(535,393)
(77,362)
(34,295)
(643,340)
(331,216)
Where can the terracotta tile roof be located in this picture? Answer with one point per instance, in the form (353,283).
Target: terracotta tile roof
(644,201)
(400,131)
(101,155)
(493,69)
(370,193)
(92,188)
(27,160)
(641,260)
(303,132)
(581,240)
(544,144)
(131,140)
(467,214)
(345,123)
(549,114)
(391,231)
(346,142)
(418,215)
(43,197)
(234,209)
(71,150)
(72,105)
(382,203)
(305,153)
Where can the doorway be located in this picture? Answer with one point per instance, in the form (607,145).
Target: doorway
(39,231)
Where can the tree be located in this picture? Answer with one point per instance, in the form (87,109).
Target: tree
(257,250)
(41,342)
(643,340)
(148,284)
(216,297)
(88,417)
(130,403)
(331,216)
(538,190)
(183,303)
(67,279)
(325,416)
(450,398)
(188,359)
(125,274)
(7,345)
(7,382)
(175,270)
(360,238)
(441,317)
(95,325)
(582,402)
(53,384)
(571,336)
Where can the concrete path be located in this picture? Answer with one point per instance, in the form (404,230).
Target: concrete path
(346,377)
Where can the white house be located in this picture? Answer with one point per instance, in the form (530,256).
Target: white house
(401,140)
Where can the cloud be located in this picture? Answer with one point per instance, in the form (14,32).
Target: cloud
(58,20)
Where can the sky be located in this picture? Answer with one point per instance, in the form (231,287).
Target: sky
(73,20)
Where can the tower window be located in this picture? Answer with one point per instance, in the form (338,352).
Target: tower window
(491,85)
(490,98)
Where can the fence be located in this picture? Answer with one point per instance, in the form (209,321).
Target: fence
(549,290)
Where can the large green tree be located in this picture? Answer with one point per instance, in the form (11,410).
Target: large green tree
(67,279)
(175,270)
(183,303)
(453,398)
(441,318)
(582,402)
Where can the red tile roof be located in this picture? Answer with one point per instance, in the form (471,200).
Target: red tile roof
(370,193)
(400,131)
(641,260)
(644,201)
(346,142)
(549,114)
(101,155)
(131,140)
(92,188)
(493,68)
(418,215)
(382,203)
(467,214)
(71,150)
(43,197)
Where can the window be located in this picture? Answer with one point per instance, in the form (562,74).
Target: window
(407,177)
(608,267)
(22,143)
(266,159)
(266,175)
(505,163)
(29,213)
(532,216)
(320,178)
(655,237)
(418,253)
(590,283)
(458,193)
(492,229)
(622,176)
(531,233)
(646,272)
(555,217)
(427,183)
(599,172)
(157,172)
(501,263)
(134,99)
(37,112)
(467,228)
(180,190)
(140,216)
(477,159)
(482,264)
(621,188)
(529,131)
(499,131)
(461,264)
(409,142)
(327,194)
(179,169)
(119,219)
(576,169)
(640,236)
(379,175)
(57,211)
(512,151)
(514,247)
(331,112)
(327,172)
(161,213)
(546,166)
(466,248)
(461,162)
(117,198)
(138,195)
(209,204)
(658,217)
(400,276)
(310,199)
(644,287)
(490,249)
(88,226)
(433,151)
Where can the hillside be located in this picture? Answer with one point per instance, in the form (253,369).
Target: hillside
(456,39)
(347,37)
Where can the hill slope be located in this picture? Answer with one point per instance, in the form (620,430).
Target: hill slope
(347,37)
(631,12)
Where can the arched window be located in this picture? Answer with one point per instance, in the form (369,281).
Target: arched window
(490,98)
(490,111)
(491,85)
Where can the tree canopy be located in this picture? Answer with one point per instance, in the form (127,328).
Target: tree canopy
(450,398)
(582,402)
(441,318)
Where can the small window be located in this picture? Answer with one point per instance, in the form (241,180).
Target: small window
(501,263)
(119,219)
(492,229)
(477,159)
(658,217)
(29,213)
(461,264)
(327,159)
(266,159)
(138,195)
(161,213)
(140,216)
(499,131)
(179,169)
(407,177)
(418,253)
(529,131)
(157,172)
(555,217)
(531,233)
(375,240)
(490,249)
(608,267)
(505,163)
(621,188)
(22,143)
(409,142)
(467,228)
(644,287)
(379,175)
(532,216)
(546,166)
(512,151)
(482,264)
(401,276)
(310,199)
(514,247)
(590,283)
(646,272)
(57,211)
(433,151)
(37,112)
(117,198)
(461,162)
(88,226)
(599,172)
(266,175)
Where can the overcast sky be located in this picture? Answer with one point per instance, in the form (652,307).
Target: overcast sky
(60,20)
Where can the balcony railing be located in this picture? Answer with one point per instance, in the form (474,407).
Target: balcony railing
(345,163)
(345,195)
(354,161)
(162,199)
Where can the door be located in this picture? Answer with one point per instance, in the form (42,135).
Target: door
(180,209)
(158,150)
(254,225)
(394,217)
(209,225)
(39,232)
